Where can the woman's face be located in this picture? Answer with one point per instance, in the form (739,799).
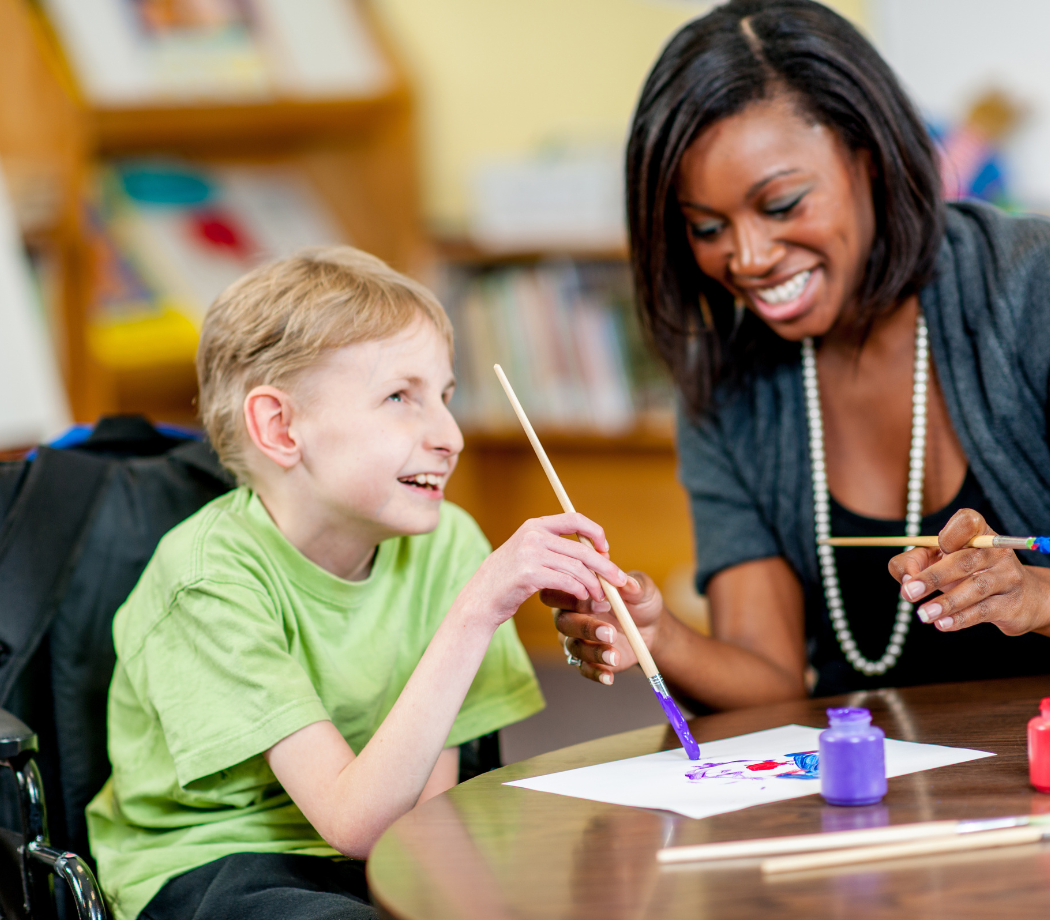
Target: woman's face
(780,212)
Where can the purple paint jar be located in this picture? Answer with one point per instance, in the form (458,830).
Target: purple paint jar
(852,759)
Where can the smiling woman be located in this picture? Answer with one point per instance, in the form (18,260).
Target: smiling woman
(851,356)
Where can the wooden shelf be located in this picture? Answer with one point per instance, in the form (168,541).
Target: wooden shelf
(238,127)
(655,439)
(460,251)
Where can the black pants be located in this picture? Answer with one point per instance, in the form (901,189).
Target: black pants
(264,886)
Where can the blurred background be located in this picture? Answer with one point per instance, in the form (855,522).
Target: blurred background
(153,150)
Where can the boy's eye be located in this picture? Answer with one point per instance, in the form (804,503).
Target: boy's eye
(397,397)
(705,229)
(782,207)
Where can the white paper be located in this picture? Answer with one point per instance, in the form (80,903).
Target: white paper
(722,780)
(32,399)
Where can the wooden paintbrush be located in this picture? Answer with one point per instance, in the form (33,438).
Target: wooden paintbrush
(627,624)
(837,840)
(985,541)
(1036,830)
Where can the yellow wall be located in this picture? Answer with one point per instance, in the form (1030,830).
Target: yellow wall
(498,77)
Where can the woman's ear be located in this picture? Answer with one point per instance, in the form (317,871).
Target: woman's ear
(268,416)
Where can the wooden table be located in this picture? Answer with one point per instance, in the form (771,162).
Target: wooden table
(484,851)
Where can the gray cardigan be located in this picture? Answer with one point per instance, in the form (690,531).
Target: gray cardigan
(746,464)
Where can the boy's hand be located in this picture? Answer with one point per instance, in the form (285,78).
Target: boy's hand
(538,558)
(590,627)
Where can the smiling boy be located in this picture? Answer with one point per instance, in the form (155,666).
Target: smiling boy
(302,657)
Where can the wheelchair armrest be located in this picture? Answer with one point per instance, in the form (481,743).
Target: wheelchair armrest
(15,736)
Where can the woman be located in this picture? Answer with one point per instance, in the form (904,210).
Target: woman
(808,289)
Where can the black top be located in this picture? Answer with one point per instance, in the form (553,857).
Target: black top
(870,595)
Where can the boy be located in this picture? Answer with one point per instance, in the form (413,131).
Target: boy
(301,657)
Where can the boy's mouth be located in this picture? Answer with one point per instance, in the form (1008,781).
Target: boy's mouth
(428,482)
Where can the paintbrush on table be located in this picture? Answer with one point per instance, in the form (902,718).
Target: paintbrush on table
(838,840)
(985,541)
(623,615)
(1036,830)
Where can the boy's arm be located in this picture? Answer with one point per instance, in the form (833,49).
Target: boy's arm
(351,800)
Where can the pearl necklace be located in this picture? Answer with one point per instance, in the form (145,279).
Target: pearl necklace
(822,506)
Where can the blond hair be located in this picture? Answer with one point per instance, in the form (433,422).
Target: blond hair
(279,321)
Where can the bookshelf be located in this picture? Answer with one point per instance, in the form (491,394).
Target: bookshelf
(623,478)
(356,152)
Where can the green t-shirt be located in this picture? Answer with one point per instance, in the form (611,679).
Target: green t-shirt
(231,641)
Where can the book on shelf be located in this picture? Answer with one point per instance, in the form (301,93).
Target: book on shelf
(167,237)
(32,399)
(566,335)
(147,52)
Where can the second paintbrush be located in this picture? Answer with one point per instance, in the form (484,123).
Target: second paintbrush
(985,541)
(623,615)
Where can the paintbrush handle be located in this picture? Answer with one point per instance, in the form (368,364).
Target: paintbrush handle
(623,615)
(1014,836)
(984,541)
(809,843)
(803,843)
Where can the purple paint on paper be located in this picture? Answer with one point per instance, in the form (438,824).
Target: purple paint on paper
(678,723)
(802,765)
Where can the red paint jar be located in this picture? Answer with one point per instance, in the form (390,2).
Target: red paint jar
(1039,747)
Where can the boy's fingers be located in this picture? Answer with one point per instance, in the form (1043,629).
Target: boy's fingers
(559,600)
(593,560)
(576,523)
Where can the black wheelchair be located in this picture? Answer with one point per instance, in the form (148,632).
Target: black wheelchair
(28,862)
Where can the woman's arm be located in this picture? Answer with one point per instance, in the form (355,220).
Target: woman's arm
(757,653)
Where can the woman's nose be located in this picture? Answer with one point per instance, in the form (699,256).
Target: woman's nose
(755,251)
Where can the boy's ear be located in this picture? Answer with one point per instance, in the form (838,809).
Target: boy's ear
(268,416)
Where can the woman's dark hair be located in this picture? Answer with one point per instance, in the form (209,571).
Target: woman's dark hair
(744,51)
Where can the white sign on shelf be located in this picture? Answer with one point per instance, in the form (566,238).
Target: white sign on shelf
(32,401)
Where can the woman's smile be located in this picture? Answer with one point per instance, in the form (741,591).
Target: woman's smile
(787,300)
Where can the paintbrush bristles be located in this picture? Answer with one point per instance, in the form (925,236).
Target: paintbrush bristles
(623,615)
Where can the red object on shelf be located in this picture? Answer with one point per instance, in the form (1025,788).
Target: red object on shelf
(1039,747)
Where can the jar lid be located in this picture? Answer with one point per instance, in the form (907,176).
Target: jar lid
(849,714)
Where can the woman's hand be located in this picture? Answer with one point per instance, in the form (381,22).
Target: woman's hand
(978,585)
(590,626)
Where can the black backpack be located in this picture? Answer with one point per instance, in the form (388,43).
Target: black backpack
(78,526)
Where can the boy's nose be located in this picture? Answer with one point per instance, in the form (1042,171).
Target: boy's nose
(444,434)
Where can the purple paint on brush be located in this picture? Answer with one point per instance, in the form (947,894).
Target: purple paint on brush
(852,759)
(675,717)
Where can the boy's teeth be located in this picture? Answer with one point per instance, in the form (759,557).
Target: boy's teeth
(424,479)
(786,292)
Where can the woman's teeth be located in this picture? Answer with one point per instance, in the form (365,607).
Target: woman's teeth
(786,292)
(428,480)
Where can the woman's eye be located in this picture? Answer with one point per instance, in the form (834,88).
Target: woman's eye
(707,230)
(783,208)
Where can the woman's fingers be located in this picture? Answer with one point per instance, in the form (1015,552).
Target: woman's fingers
(593,652)
(906,566)
(986,595)
(961,529)
(584,626)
